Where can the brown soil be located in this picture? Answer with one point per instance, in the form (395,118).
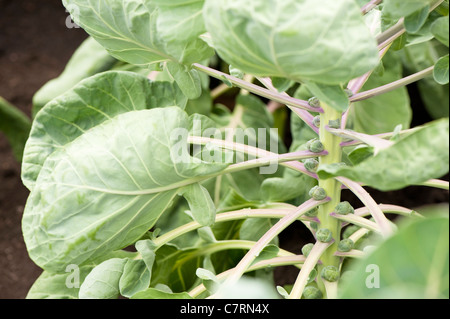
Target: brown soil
(35,45)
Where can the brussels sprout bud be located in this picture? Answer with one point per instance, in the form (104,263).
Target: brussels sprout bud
(318,193)
(311,292)
(306,249)
(324,235)
(311,164)
(330,273)
(316,121)
(344,208)
(345,245)
(315,146)
(335,124)
(314,225)
(314,102)
(349,92)
(313,212)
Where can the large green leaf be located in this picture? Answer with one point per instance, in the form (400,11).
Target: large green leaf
(383,113)
(414,159)
(89,59)
(322,41)
(134,30)
(412,264)
(105,189)
(402,8)
(183,17)
(88,104)
(16,127)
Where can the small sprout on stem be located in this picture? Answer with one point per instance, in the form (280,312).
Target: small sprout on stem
(345,245)
(330,273)
(318,193)
(311,165)
(314,102)
(316,121)
(344,208)
(349,92)
(314,225)
(324,235)
(315,146)
(312,292)
(306,249)
(335,124)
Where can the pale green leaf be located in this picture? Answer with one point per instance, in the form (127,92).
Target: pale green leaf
(440,30)
(414,159)
(402,8)
(200,204)
(322,41)
(127,29)
(416,20)
(103,281)
(135,278)
(90,186)
(188,80)
(441,72)
(91,102)
(412,264)
(184,18)
(147,250)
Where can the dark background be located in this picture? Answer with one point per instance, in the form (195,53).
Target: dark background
(35,45)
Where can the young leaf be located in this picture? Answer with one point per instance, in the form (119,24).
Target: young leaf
(136,277)
(200,203)
(188,80)
(146,249)
(440,28)
(209,280)
(414,159)
(103,281)
(90,103)
(182,17)
(124,169)
(416,20)
(400,8)
(441,72)
(321,41)
(89,59)
(411,264)
(16,127)
(332,95)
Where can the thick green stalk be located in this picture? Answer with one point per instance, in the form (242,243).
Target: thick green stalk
(332,187)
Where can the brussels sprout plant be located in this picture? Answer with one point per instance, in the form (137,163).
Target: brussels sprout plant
(160,164)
